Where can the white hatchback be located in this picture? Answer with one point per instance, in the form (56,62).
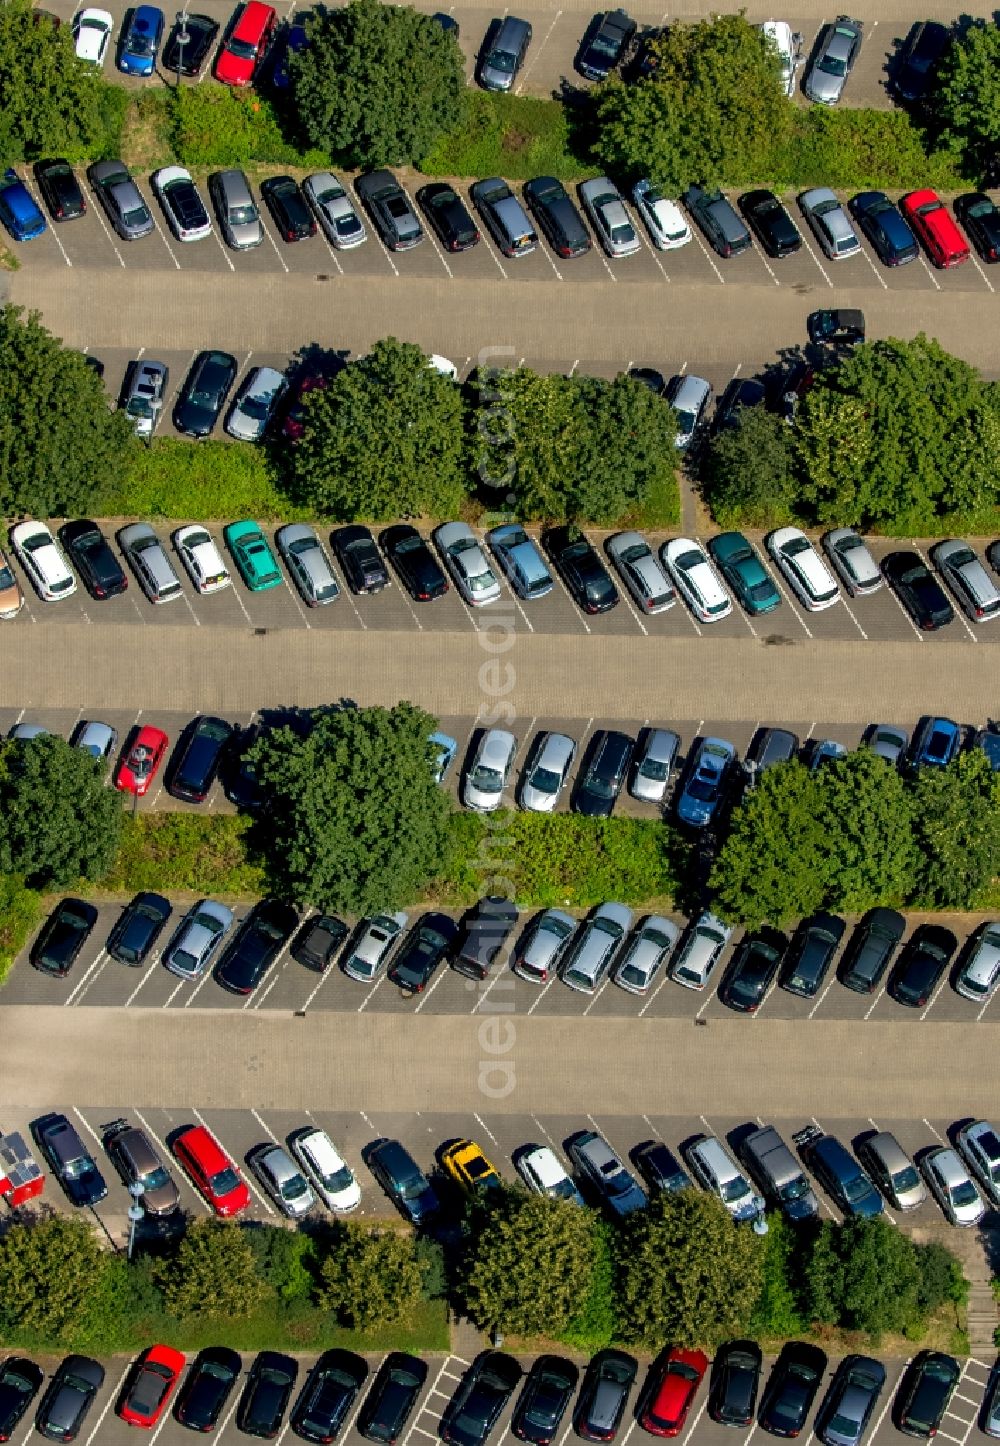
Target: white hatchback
(696,579)
(42,559)
(663,218)
(805,571)
(91,33)
(202,558)
(328,1173)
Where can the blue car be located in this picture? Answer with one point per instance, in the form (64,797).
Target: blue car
(702,789)
(936,743)
(18,211)
(885,227)
(294,39)
(140,40)
(445,748)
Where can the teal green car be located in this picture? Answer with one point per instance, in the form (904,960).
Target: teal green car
(745,573)
(252,555)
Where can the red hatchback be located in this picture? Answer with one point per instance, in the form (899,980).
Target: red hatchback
(246,44)
(145,754)
(673,1387)
(150,1385)
(212,1172)
(936,227)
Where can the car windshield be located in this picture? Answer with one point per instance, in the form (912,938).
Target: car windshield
(242,49)
(843,1426)
(855,1189)
(185,960)
(338,1180)
(795,1190)
(964,1193)
(833,65)
(622,233)
(905,1180)
(347,225)
(78,1169)
(6,577)
(599,787)
(606,45)
(545,781)
(257,406)
(502,60)
(294,1188)
(135,217)
(156,1179)
(486,779)
(242,215)
(735,1190)
(139,407)
(481,582)
(654,768)
(224,1182)
(141,43)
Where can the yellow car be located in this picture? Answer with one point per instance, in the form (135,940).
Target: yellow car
(468,1167)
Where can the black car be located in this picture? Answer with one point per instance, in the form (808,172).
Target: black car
(742,392)
(427,945)
(60,189)
(550,204)
(606,1387)
(270,1382)
(718,219)
(70,1161)
(359,559)
(542,1404)
(419,571)
(71,1393)
(608,38)
(63,935)
(207,1388)
(581,569)
(289,208)
(188,44)
(20,1382)
(197,758)
(791,1389)
(918,590)
(732,1398)
(602,779)
(389,207)
(447,213)
(238,775)
(923,48)
(403,1181)
(330,1391)
(660,1168)
(752,972)
(885,226)
(320,938)
(981,219)
(926,1393)
(836,326)
(138,928)
(204,393)
(485,930)
(852,1397)
(482,1394)
(872,945)
(810,954)
(390,1402)
(921,965)
(770,223)
(91,555)
(258,942)
(649,377)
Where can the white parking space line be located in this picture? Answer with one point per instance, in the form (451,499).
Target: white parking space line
(485,1127)
(973,258)
(440,254)
(933,279)
(871,1006)
(51,224)
(653,251)
(109,1403)
(542,1130)
(536,52)
(161,232)
(93,978)
(346,591)
(232,1410)
(222,247)
(707,254)
(173,994)
(822,269)
(546,253)
(442,973)
(940,1138)
(874,1430)
(72,997)
(541,995)
(642,1011)
(274,244)
(500,974)
(850,614)
(693,1426)
(267,1129)
(934,997)
(892,593)
(147,975)
(652,1128)
(770,268)
(244,1174)
(485,241)
(780,584)
(96,209)
(332,250)
(198,988)
(626,598)
(87,1126)
(881,279)
(368,997)
(257,1000)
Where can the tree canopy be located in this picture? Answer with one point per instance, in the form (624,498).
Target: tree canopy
(956,827)
(213,1272)
(53,103)
(370,1278)
(51,1269)
(748,472)
(377,84)
(964,97)
(58,819)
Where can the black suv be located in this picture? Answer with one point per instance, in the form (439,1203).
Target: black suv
(606,1387)
(476,1406)
(138,928)
(403,1181)
(69,1160)
(550,204)
(319,940)
(718,219)
(918,590)
(926,1392)
(603,778)
(330,1391)
(418,568)
(447,213)
(485,931)
(427,945)
(981,219)
(207,1387)
(63,935)
(91,555)
(543,1402)
(204,393)
(289,208)
(867,956)
(197,758)
(581,569)
(608,38)
(391,1400)
(775,229)
(71,1394)
(360,559)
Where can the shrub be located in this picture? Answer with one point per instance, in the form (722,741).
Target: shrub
(20,911)
(284,1259)
(214,1272)
(185,853)
(594,1324)
(518,136)
(204,481)
(854,149)
(369,1277)
(51,1269)
(217,125)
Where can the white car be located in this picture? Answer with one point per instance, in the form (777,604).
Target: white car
(202,558)
(255,402)
(43,560)
(952,1186)
(91,33)
(328,1173)
(341,224)
(805,571)
(443,366)
(663,218)
(788,43)
(490,769)
(696,579)
(541,1171)
(465,559)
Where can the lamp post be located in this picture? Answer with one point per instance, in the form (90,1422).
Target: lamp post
(135,1212)
(183,36)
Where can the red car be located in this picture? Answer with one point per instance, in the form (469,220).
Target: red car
(936,227)
(212,1172)
(246,44)
(293,425)
(150,1385)
(138,768)
(673,1388)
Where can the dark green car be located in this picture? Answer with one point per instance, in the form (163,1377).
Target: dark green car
(252,555)
(749,579)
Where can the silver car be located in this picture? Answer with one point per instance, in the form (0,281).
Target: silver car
(976,592)
(829,223)
(703,948)
(342,226)
(835,56)
(283,1180)
(641,573)
(648,950)
(952,1186)
(520,560)
(465,560)
(892,1170)
(255,402)
(979,974)
(236,209)
(97,739)
(889,742)
(689,396)
(378,937)
(610,220)
(490,769)
(145,395)
(306,559)
(653,763)
(547,771)
(979,1142)
(594,948)
(537,956)
(197,939)
(855,565)
(122,200)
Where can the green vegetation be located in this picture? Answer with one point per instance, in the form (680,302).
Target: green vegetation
(218,125)
(205,481)
(187,853)
(956,828)
(58,820)
(517,136)
(20,911)
(964,100)
(370,1278)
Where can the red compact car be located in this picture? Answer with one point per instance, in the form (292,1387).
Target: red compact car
(293,425)
(150,1385)
(937,229)
(145,754)
(246,44)
(212,1172)
(672,1390)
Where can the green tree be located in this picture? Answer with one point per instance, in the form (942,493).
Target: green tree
(714,111)
(356,822)
(823,1276)
(964,97)
(283,1260)
(881,1276)
(529,1263)
(58,819)
(867,820)
(214,1273)
(777,1311)
(378,84)
(60,447)
(53,103)
(370,1278)
(686,1273)
(51,1269)
(956,828)
(385,439)
(748,473)
(942,1278)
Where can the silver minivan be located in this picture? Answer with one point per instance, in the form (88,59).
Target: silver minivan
(716,1171)
(236,209)
(499,66)
(148,559)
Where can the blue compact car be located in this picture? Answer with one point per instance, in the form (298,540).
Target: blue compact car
(140,40)
(18,211)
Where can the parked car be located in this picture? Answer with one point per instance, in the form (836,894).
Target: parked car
(660,1169)
(374,942)
(923,48)
(236,210)
(771,223)
(121,198)
(704,782)
(542,947)
(520,561)
(140,763)
(182,204)
(829,223)
(791,1388)
(485,930)
(872,946)
(689,396)
(740,564)
(477,1404)
(203,393)
(197,759)
(581,569)
(89,551)
(334,210)
(328,1396)
(137,929)
(918,591)
(603,204)
(605,44)
(548,1390)
(716,1171)
(20,1382)
(255,403)
(935,743)
(282,1180)
(933,223)
(360,559)
(329,1175)
(604,1395)
(503,53)
(504,216)
(718,220)
(741,394)
(852,561)
(886,229)
(189,43)
(981,218)
(752,971)
(543,1173)
(259,941)
(892,1170)
(788,44)
(213,1174)
(418,568)
(43,560)
(97,739)
(732,1399)
(839,326)
(18,210)
(922,965)
(447,213)
(649,948)
(202,560)
(135,1158)
(979,973)
(70,1161)
(319,940)
(604,1172)
(464,1162)
(489,770)
(288,208)
(889,743)
(810,954)
(465,560)
(805,571)
(390,1402)
(671,1387)
(640,572)
(92,30)
(603,777)
(403,1181)
(952,1186)
(389,207)
(776,1171)
(587,961)
(269,1385)
(292,40)
(208,1387)
(62,936)
(149,1386)
(197,939)
(60,189)
(70,1394)
(979,1144)
(663,217)
(11,597)
(550,204)
(977,594)
(428,945)
(834,57)
(546,772)
(140,41)
(850,1401)
(653,763)
(696,579)
(838,1172)
(246,44)
(925,1393)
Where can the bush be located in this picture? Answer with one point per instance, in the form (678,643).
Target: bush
(518,136)
(52,1269)
(777,1314)
(594,1325)
(20,911)
(204,481)
(369,1277)
(942,1279)
(858,149)
(186,853)
(217,125)
(284,1259)
(214,1272)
